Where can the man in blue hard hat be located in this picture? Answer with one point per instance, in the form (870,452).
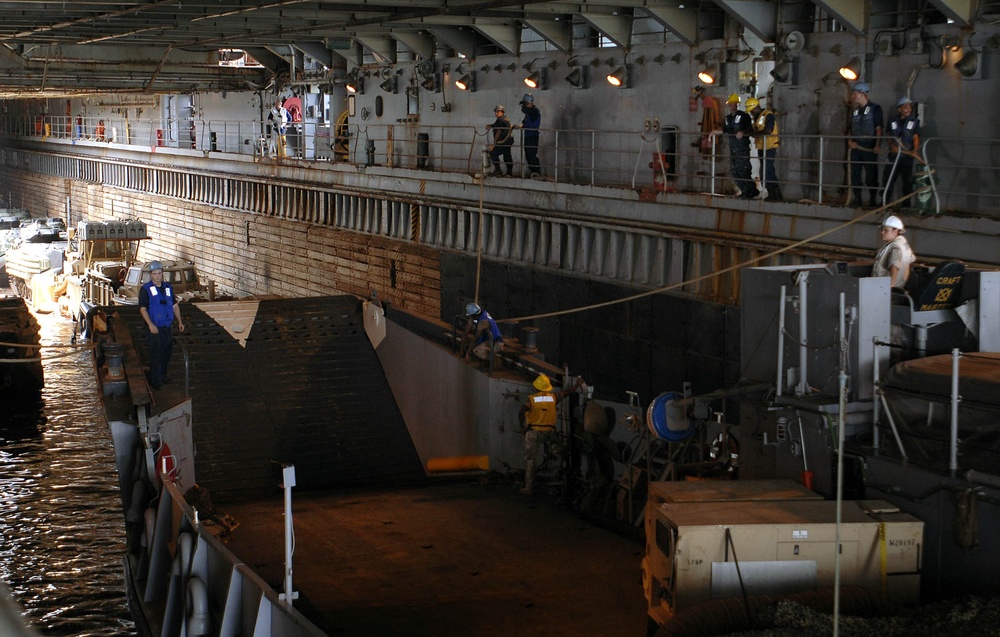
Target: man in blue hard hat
(904,142)
(532,121)
(158,307)
(863,141)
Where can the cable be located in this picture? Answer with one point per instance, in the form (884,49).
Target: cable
(732,268)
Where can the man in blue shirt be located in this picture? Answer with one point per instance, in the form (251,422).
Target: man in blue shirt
(532,121)
(158,307)
(487,337)
(863,140)
(904,140)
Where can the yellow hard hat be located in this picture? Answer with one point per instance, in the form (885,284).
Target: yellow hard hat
(733,99)
(752,103)
(542,383)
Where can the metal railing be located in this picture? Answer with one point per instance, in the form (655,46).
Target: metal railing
(811,168)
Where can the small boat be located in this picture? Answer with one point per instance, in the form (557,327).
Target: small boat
(20,364)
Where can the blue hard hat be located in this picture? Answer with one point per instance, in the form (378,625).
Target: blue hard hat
(862,87)
(903,100)
(155,265)
(528,97)
(472,309)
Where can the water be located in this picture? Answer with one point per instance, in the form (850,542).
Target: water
(63,536)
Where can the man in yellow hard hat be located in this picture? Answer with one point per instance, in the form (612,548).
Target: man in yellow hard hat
(539,415)
(738,128)
(765,126)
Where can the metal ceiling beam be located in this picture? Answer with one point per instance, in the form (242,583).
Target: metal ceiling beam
(317,51)
(618,28)
(462,40)
(558,33)
(963,11)
(419,42)
(853,14)
(505,36)
(682,22)
(756,15)
(383,48)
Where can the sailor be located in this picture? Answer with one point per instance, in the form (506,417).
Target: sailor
(895,256)
(279,119)
(863,140)
(158,307)
(538,415)
(485,327)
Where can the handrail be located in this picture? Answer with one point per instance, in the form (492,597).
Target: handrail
(810,168)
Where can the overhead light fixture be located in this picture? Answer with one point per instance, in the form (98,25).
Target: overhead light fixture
(709,74)
(579,77)
(389,84)
(432,83)
(355,85)
(467,82)
(852,70)
(968,66)
(534,80)
(619,78)
(782,71)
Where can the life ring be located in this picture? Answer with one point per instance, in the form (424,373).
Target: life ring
(726,449)
(294,107)
(165,461)
(122,273)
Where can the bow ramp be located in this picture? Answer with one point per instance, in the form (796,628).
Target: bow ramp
(288,380)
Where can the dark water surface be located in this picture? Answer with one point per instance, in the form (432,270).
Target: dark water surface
(62,539)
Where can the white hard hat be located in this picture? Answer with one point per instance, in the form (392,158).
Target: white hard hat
(892,221)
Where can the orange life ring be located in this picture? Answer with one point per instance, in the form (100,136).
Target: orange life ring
(165,461)
(294,107)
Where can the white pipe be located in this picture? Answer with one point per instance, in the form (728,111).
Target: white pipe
(876,405)
(803,387)
(198,618)
(781,341)
(841,416)
(955,399)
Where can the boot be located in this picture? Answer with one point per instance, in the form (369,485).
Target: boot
(856,199)
(873,199)
(774,193)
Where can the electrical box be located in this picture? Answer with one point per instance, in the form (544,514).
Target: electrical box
(781,547)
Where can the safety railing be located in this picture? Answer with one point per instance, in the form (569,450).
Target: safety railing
(813,168)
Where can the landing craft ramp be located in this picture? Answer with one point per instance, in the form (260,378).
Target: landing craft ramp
(293,381)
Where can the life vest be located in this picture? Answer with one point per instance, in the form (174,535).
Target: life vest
(863,122)
(161,304)
(769,140)
(542,410)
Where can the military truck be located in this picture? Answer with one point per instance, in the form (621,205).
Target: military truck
(181,275)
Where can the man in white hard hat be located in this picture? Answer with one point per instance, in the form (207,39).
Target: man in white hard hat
(904,142)
(894,258)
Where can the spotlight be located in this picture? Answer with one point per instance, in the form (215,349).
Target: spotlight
(782,71)
(968,66)
(467,82)
(389,84)
(579,77)
(534,80)
(852,70)
(356,85)
(618,79)
(432,83)
(709,74)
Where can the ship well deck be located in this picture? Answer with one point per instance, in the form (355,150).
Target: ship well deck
(450,558)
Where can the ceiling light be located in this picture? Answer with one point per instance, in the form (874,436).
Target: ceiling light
(968,66)
(578,77)
(709,74)
(431,83)
(618,79)
(782,71)
(534,80)
(355,85)
(852,70)
(466,82)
